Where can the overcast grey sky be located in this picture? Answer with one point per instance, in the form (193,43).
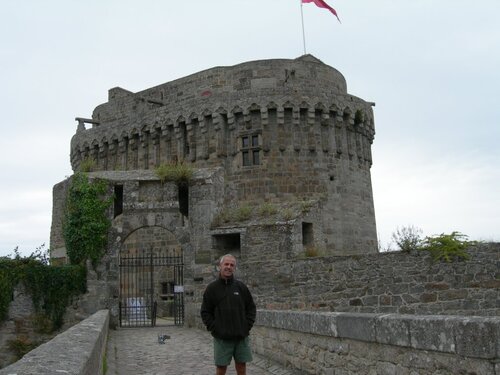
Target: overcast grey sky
(432,68)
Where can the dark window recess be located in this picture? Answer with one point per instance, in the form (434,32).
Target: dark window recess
(184,199)
(245,142)
(227,243)
(118,200)
(246,158)
(255,141)
(307,234)
(255,157)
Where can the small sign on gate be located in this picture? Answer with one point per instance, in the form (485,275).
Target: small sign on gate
(178,288)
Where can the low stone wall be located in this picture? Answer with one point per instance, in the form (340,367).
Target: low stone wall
(405,283)
(77,351)
(354,343)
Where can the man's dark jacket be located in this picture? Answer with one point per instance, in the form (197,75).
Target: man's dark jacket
(228,310)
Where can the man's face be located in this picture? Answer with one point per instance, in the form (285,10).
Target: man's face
(227,267)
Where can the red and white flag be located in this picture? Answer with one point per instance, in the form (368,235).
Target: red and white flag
(322,4)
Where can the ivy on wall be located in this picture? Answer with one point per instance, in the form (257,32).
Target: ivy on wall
(51,287)
(86,223)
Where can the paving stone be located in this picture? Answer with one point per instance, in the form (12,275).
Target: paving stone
(188,351)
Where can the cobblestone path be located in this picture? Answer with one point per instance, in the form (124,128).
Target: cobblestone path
(136,351)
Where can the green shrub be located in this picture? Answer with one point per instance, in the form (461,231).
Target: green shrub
(267,209)
(87,165)
(407,238)
(358,117)
(244,212)
(448,247)
(180,173)
(288,214)
(306,205)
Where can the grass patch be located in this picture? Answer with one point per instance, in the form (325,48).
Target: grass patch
(180,173)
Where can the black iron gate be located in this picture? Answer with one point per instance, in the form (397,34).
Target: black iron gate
(151,288)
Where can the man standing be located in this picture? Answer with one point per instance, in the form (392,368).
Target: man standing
(228,311)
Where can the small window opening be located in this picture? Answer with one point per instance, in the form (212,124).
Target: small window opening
(227,243)
(307,234)
(184,199)
(118,200)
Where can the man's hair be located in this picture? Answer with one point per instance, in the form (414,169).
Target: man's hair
(227,256)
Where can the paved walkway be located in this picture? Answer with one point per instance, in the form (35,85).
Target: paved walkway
(136,351)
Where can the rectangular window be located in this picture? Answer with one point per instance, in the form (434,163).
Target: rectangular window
(245,142)
(250,150)
(255,141)
(246,158)
(256,157)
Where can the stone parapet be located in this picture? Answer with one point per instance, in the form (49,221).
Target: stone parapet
(324,343)
(77,351)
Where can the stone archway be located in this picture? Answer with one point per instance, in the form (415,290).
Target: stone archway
(151,278)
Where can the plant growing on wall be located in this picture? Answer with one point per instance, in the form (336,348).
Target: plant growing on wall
(86,223)
(448,247)
(87,165)
(358,117)
(180,173)
(407,238)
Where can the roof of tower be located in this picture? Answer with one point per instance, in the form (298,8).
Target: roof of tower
(309,58)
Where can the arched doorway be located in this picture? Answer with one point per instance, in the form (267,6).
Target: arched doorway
(151,279)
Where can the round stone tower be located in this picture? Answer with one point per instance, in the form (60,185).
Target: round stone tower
(280,130)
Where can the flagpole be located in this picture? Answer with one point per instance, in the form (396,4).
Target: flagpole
(303,32)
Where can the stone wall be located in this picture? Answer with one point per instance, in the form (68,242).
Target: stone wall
(77,351)
(406,283)
(382,344)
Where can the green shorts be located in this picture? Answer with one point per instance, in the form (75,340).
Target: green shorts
(224,350)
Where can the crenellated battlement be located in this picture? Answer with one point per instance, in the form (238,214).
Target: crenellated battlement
(210,136)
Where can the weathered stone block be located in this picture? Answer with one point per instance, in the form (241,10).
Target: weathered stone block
(428,297)
(477,337)
(437,286)
(452,295)
(357,326)
(393,329)
(432,332)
